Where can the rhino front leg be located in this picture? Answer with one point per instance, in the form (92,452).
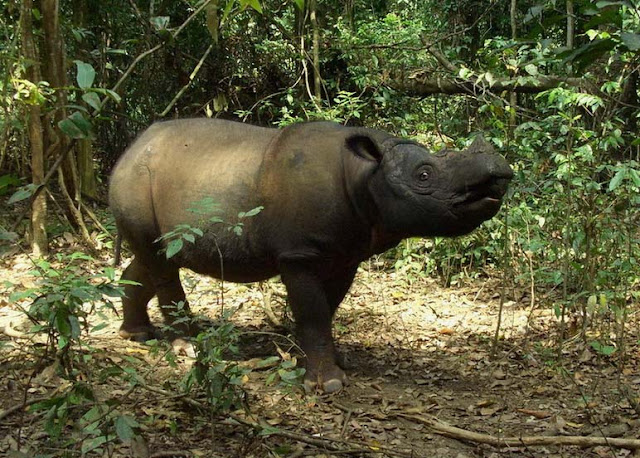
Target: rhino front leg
(313,313)
(336,289)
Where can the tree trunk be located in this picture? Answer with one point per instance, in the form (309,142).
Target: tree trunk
(317,90)
(86,171)
(55,72)
(571,21)
(39,243)
(513,96)
(349,12)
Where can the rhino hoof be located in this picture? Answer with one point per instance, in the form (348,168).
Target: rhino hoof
(182,347)
(333,385)
(140,335)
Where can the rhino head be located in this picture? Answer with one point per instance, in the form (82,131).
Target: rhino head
(419,193)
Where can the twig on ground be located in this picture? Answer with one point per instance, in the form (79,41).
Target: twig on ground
(95,220)
(266,291)
(11,410)
(171,454)
(462,434)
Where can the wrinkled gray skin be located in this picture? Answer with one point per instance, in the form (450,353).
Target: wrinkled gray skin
(332,197)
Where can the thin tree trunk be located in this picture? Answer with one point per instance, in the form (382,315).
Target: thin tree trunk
(86,170)
(317,90)
(513,97)
(571,24)
(54,72)
(349,12)
(39,242)
(54,65)
(514,30)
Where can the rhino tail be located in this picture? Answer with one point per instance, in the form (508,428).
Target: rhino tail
(117,249)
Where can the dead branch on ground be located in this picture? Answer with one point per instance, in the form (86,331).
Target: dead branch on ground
(454,432)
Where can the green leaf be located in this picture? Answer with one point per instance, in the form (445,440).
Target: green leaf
(160,22)
(588,53)
(533,13)
(606,350)
(252,212)
(268,430)
(255,4)
(86,74)
(227,11)
(76,126)
(24,192)
(108,92)
(531,69)
(7,181)
(99,327)
(174,247)
(92,99)
(617,179)
(604,3)
(189,238)
(10,236)
(299,4)
(631,40)
(20,295)
(62,325)
(490,78)
(635,177)
(75,326)
(124,427)
(268,361)
(112,290)
(93,444)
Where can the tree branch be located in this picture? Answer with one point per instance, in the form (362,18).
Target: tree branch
(423,86)
(420,85)
(501,442)
(186,86)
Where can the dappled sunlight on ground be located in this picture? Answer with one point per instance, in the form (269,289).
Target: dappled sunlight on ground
(411,349)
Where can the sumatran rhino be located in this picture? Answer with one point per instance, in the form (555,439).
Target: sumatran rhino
(331,197)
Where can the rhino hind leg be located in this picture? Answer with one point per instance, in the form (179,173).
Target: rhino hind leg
(173,303)
(136,324)
(313,302)
(164,282)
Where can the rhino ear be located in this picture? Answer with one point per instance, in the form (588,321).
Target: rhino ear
(364,147)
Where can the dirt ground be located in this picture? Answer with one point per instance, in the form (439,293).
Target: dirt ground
(419,354)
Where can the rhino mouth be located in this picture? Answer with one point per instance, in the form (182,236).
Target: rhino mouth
(488,192)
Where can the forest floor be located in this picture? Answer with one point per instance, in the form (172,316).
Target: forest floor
(419,356)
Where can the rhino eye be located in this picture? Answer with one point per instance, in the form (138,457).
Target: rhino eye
(422,176)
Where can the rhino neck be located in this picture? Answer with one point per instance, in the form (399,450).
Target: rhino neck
(382,240)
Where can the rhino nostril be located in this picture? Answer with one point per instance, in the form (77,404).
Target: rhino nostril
(500,170)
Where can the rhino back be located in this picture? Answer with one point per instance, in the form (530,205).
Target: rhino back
(175,165)
(297,174)
(192,160)
(304,177)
